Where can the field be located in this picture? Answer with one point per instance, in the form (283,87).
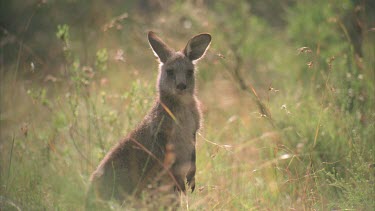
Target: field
(287,90)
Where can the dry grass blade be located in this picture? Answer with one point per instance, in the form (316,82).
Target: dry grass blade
(169,112)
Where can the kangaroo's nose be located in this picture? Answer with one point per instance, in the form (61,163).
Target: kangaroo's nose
(181,86)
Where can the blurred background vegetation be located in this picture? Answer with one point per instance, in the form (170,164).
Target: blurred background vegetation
(287,91)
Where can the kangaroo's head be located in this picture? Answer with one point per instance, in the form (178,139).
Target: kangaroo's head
(177,70)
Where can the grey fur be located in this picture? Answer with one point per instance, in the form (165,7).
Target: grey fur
(162,147)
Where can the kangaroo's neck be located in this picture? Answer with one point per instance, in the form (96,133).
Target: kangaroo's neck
(173,101)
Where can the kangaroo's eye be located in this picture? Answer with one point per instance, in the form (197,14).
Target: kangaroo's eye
(190,73)
(170,72)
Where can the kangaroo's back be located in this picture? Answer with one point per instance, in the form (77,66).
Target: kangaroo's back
(159,155)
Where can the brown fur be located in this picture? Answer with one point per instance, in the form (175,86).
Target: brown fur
(160,152)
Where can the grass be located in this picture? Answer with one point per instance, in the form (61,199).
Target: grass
(315,151)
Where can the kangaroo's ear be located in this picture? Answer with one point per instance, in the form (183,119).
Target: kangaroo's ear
(160,49)
(197,46)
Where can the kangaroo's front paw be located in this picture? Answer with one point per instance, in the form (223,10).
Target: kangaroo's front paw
(180,186)
(191,183)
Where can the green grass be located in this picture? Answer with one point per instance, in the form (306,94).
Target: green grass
(315,151)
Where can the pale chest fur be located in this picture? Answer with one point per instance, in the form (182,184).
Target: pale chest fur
(186,123)
(183,135)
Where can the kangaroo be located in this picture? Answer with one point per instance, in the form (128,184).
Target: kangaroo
(162,147)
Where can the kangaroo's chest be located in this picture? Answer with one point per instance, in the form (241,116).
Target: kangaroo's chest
(183,133)
(185,124)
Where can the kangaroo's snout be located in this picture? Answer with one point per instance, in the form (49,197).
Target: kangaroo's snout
(181,86)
